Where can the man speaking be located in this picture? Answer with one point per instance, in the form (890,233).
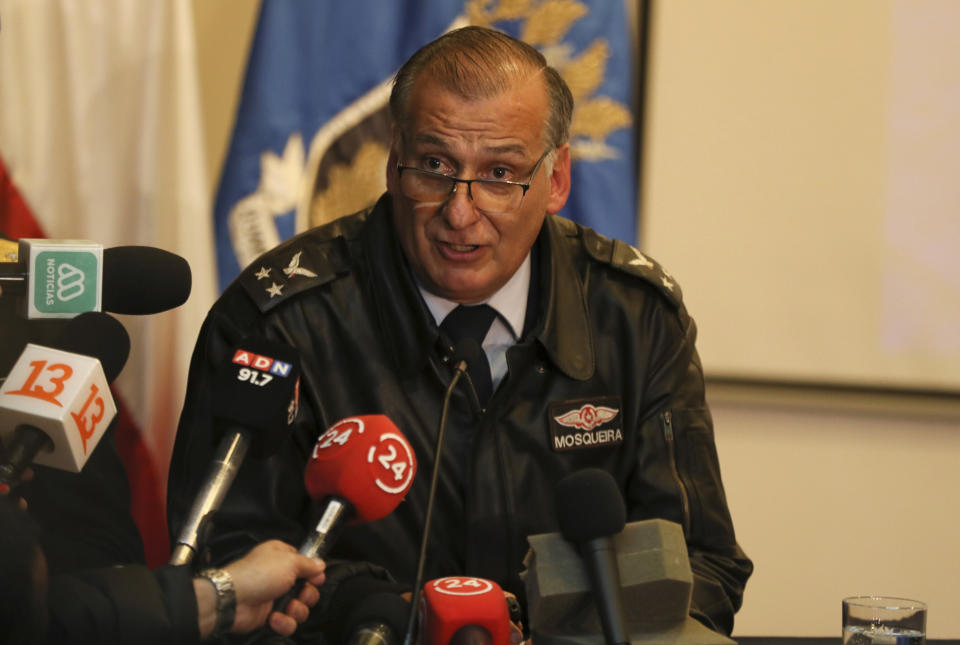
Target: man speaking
(582,351)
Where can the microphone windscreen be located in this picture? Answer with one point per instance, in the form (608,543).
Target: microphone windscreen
(589,505)
(99,336)
(381,607)
(143,280)
(365,460)
(257,388)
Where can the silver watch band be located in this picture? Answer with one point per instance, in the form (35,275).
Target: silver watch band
(226,599)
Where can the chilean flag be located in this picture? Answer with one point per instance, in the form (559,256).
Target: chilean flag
(101,139)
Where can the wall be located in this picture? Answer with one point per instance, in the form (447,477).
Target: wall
(224,29)
(765,191)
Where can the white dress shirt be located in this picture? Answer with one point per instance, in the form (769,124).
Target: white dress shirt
(510,303)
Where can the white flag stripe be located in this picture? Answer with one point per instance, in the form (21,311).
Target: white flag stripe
(100,126)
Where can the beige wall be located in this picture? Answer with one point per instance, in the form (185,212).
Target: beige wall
(224,29)
(831,496)
(768,139)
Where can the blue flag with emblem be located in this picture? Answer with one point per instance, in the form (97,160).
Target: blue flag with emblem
(312,132)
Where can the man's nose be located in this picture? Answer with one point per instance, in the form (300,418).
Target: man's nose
(459,210)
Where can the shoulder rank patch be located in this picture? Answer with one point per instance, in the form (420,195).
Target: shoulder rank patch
(291,269)
(629,259)
(585,423)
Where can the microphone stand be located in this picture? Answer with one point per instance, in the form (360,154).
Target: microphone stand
(461,368)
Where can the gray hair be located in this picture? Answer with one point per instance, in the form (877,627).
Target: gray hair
(476,63)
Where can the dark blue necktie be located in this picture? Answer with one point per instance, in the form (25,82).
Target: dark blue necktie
(470,324)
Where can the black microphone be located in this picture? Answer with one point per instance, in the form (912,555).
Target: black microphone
(61,278)
(591,511)
(100,336)
(58,399)
(379,619)
(254,402)
(460,351)
(144,280)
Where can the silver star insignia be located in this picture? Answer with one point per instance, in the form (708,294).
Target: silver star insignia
(667,282)
(275,289)
(294,268)
(640,259)
(264,272)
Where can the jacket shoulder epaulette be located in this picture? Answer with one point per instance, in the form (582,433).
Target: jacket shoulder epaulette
(304,262)
(630,260)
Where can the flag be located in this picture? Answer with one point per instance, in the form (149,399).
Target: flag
(312,131)
(101,139)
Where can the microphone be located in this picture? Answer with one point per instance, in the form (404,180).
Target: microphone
(591,511)
(461,351)
(360,470)
(657,587)
(462,610)
(144,280)
(63,278)
(254,400)
(56,402)
(379,619)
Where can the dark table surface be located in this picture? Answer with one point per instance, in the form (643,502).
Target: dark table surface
(816,640)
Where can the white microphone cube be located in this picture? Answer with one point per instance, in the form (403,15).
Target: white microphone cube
(63,394)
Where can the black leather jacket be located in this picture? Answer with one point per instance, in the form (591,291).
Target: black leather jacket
(612,332)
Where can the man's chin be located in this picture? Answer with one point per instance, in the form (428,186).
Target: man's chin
(463,293)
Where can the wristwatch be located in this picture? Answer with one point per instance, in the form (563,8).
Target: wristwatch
(226,599)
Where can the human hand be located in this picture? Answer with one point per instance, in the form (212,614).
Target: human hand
(516,624)
(25,476)
(267,572)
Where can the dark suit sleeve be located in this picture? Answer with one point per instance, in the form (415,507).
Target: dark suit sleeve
(267,499)
(121,605)
(678,475)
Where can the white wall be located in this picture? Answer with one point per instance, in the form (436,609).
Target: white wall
(800,170)
(832,499)
(768,138)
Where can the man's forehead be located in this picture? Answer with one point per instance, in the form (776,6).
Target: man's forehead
(433,140)
(506,123)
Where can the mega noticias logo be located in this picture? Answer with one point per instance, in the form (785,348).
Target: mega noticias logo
(66,281)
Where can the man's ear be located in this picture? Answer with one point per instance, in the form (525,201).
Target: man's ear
(393,177)
(559,180)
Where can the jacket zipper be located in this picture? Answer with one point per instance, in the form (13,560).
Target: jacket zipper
(666,419)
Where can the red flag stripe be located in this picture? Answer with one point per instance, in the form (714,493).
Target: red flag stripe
(16,219)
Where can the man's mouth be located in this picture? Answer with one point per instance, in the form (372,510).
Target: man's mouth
(462,248)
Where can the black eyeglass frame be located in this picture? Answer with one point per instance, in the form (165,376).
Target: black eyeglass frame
(469,182)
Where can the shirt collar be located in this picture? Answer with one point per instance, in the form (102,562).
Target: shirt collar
(510,301)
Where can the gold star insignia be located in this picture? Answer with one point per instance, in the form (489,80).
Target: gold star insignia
(275,289)
(264,272)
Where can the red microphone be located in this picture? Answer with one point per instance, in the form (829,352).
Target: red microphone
(461,609)
(360,470)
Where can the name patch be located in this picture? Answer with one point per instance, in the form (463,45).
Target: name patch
(585,423)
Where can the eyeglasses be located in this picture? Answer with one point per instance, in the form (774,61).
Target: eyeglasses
(489,195)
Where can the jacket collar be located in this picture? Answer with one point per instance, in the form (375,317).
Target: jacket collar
(411,333)
(566,334)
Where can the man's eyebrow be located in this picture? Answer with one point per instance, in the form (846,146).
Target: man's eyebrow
(508,149)
(430,138)
(505,149)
